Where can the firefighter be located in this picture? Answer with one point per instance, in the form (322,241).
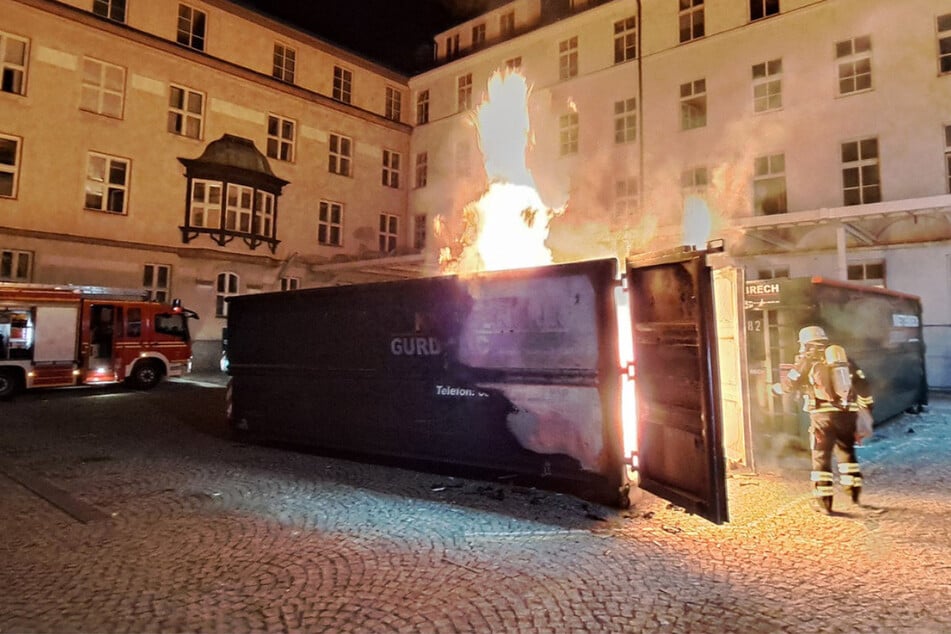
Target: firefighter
(833,390)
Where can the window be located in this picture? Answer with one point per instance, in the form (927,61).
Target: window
(693,104)
(694,181)
(769,185)
(330,224)
(227,286)
(422,168)
(9,165)
(394,104)
(861,183)
(625,40)
(947,158)
(625,120)
(155,280)
(478,35)
(290,283)
(763,9)
(772,273)
(239,208)
(944,43)
(452,46)
(568,58)
(391,169)
(867,273)
(112,9)
(464,93)
(206,204)
(419,232)
(191,27)
(103,88)
(263,222)
(514,64)
(626,194)
(691,20)
(462,159)
(768,85)
(854,58)
(568,133)
(343,84)
(15,266)
(507,24)
(133,322)
(107,183)
(186,111)
(422,107)
(285,63)
(389,225)
(13,55)
(280,137)
(341,149)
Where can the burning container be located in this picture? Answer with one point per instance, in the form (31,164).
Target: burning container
(511,373)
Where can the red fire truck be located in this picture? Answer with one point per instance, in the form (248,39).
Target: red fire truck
(53,336)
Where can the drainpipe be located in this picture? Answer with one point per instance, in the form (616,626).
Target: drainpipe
(642,180)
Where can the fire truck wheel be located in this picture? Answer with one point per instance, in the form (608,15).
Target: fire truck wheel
(146,374)
(10,383)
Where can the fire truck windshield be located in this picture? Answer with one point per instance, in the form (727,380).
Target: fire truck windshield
(172,324)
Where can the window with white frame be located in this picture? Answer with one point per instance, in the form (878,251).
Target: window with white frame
(281,134)
(625,120)
(763,9)
(478,35)
(330,223)
(514,63)
(156,280)
(15,265)
(422,169)
(462,161)
(341,155)
(191,27)
(944,43)
(568,58)
(854,59)
(103,88)
(693,104)
(625,39)
(422,107)
(13,58)
(285,63)
(568,133)
(389,232)
(947,157)
(239,207)
(391,169)
(626,193)
(694,181)
(870,273)
(394,104)
(768,85)
(186,111)
(464,92)
(507,24)
(263,222)
(226,286)
(9,165)
(691,20)
(343,84)
(206,202)
(107,183)
(769,185)
(419,232)
(112,9)
(290,283)
(861,181)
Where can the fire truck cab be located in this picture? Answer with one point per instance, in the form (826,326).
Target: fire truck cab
(54,336)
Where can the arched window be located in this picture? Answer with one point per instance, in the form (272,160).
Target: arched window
(227,286)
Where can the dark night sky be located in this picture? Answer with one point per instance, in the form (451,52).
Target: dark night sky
(392,32)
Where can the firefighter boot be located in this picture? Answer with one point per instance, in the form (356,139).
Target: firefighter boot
(856,493)
(850,477)
(822,491)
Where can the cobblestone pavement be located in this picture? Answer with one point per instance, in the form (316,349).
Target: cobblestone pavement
(134,512)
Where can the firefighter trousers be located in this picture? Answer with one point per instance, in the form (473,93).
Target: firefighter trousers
(834,432)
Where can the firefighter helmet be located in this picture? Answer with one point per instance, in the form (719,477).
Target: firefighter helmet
(812,334)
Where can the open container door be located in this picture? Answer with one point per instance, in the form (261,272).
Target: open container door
(680,455)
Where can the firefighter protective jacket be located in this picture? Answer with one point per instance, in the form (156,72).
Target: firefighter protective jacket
(802,379)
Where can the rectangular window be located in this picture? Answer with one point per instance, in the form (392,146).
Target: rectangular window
(391,169)
(343,84)
(861,183)
(281,135)
(206,202)
(854,58)
(625,120)
(285,63)
(568,58)
(419,232)
(691,20)
(693,104)
(330,224)
(112,9)
(772,273)
(13,56)
(186,111)
(478,35)
(568,133)
(341,155)
(9,165)
(768,85)
(944,43)
(769,185)
(452,46)
(625,39)
(103,88)
(239,207)
(290,283)
(394,104)
(156,279)
(389,232)
(947,157)
(507,24)
(191,27)
(15,266)
(226,286)
(422,107)
(263,222)
(514,64)
(867,273)
(422,169)
(694,181)
(107,183)
(464,92)
(626,192)
(763,9)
